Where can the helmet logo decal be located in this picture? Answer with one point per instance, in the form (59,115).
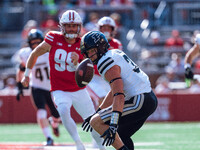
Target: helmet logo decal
(96,37)
(71,16)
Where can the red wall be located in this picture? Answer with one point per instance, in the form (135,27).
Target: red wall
(12,111)
(171,107)
(177,107)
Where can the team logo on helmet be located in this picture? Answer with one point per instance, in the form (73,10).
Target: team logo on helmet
(96,37)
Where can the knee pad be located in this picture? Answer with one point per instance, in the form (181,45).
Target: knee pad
(41,114)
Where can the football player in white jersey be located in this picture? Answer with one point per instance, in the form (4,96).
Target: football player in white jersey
(193,53)
(40,86)
(129,102)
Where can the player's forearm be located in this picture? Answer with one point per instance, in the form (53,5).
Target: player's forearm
(118,103)
(107,101)
(31,61)
(192,54)
(118,95)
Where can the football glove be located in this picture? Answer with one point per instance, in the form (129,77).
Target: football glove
(20,91)
(86,124)
(188,73)
(110,133)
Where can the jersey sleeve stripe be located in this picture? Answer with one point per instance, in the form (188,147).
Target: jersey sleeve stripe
(105,64)
(49,39)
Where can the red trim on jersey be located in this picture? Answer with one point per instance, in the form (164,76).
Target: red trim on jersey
(115,44)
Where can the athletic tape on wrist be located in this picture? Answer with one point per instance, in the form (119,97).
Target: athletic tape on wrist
(115,116)
(76,66)
(187,66)
(27,72)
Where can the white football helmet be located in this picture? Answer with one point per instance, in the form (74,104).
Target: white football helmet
(107,21)
(70,17)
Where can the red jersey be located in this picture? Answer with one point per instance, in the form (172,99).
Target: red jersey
(62,70)
(114,44)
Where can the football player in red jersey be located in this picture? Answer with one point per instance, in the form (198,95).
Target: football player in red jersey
(64,57)
(107,26)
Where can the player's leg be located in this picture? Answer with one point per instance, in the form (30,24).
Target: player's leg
(54,119)
(125,132)
(98,124)
(85,108)
(39,101)
(136,111)
(63,101)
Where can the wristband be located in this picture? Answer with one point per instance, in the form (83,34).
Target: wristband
(115,79)
(98,110)
(187,66)
(27,72)
(76,65)
(116,94)
(115,116)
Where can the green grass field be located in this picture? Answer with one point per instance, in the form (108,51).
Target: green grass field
(152,136)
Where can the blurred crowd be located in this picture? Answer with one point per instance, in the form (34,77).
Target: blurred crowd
(176,44)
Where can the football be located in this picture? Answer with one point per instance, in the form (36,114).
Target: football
(84,72)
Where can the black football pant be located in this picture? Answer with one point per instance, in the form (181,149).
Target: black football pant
(131,123)
(41,98)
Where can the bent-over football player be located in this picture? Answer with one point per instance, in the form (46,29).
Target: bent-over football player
(40,86)
(131,99)
(64,56)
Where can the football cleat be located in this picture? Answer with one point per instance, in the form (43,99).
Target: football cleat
(49,142)
(55,129)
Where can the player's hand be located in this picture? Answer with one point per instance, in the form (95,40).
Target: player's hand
(74,58)
(109,135)
(188,73)
(20,91)
(86,124)
(25,81)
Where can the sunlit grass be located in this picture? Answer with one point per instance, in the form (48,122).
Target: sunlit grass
(152,136)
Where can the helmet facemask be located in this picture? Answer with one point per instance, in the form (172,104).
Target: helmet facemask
(70,35)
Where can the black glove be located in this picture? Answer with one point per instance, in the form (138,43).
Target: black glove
(111,131)
(188,73)
(110,135)
(86,124)
(20,91)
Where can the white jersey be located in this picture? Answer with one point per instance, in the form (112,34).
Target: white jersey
(134,79)
(39,77)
